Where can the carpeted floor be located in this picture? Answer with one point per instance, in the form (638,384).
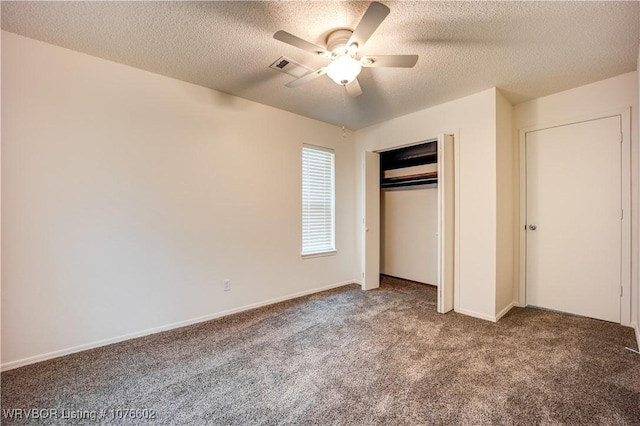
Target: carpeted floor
(349,357)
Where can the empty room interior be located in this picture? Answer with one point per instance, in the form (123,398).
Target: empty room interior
(320,212)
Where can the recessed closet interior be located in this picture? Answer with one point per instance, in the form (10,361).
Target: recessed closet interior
(409,212)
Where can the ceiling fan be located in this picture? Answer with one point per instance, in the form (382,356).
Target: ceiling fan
(343,47)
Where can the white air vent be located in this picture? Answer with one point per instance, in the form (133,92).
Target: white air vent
(290,67)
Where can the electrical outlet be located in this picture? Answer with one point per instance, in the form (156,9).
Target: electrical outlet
(227,285)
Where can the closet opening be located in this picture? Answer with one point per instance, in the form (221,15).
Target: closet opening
(409,214)
(409,217)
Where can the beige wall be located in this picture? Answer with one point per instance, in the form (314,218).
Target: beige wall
(128,197)
(504,206)
(472,120)
(635,152)
(613,94)
(408,237)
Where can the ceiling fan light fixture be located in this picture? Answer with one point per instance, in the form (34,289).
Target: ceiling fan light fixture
(344,69)
(342,48)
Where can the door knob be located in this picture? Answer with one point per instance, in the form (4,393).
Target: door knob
(533,227)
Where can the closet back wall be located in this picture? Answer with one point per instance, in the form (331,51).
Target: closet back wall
(409,222)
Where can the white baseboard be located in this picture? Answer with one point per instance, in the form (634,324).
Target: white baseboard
(636,327)
(55,354)
(492,318)
(505,310)
(477,315)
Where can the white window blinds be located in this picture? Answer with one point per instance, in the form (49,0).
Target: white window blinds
(318,210)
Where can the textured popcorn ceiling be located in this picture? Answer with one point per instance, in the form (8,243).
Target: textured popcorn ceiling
(527,49)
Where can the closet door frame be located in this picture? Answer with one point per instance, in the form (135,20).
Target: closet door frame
(446,223)
(448,216)
(370,220)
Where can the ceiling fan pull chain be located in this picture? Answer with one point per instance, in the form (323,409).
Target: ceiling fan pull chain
(344,110)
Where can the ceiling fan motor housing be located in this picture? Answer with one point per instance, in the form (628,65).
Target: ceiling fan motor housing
(337,42)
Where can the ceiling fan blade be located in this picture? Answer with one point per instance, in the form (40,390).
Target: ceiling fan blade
(307,78)
(353,88)
(371,20)
(399,61)
(296,41)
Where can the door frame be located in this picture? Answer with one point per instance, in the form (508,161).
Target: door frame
(446,223)
(370,210)
(625,153)
(455,293)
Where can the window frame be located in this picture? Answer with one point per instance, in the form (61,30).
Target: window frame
(325,251)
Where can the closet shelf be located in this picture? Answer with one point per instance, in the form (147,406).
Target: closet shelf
(398,160)
(409,180)
(420,155)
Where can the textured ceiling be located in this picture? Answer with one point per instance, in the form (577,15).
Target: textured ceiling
(527,49)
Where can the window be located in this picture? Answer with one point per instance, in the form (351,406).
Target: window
(318,207)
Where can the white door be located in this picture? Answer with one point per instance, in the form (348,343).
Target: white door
(371,221)
(573,218)
(445,223)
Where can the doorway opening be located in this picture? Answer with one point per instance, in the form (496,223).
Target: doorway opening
(409,213)
(409,216)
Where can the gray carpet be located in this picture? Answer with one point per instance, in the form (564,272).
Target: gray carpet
(348,357)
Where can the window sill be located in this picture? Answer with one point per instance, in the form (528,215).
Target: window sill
(319,254)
